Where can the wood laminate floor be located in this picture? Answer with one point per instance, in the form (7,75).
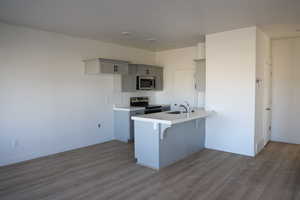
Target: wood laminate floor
(107,171)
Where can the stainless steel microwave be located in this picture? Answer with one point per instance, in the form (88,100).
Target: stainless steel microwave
(145,83)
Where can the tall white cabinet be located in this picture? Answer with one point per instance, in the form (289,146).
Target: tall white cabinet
(200,74)
(232,66)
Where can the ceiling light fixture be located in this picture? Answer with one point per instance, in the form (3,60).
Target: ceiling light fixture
(151,40)
(126,33)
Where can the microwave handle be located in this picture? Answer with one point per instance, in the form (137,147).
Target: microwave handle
(137,83)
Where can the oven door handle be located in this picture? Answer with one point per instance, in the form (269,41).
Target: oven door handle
(156,110)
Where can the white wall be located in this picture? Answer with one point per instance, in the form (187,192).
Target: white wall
(263,52)
(286,90)
(47,104)
(179,70)
(230,90)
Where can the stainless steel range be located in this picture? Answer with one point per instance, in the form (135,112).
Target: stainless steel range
(144,102)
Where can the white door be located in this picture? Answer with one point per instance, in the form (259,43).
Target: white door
(184,87)
(267,114)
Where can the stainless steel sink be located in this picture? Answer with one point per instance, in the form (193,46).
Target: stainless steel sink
(175,112)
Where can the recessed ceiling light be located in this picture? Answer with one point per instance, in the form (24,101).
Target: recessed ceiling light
(126,33)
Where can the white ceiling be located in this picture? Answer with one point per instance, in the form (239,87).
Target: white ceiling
(173,23)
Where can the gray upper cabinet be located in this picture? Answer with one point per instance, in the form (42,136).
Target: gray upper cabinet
(150,70)
(113,66)
(106,66)
(159,78)
(129,80)
(128,72)
(147,70)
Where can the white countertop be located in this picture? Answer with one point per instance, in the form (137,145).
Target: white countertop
(127,108)
(170,119)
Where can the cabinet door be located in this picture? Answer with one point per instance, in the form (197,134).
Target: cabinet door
(146,70)
(159,83)
(92,67)
(121,68)
(114,67)
(107,67)
(132,69)
(122,126)
(200,76)
(142,70)
(129,81)
(159,77)
(134,113)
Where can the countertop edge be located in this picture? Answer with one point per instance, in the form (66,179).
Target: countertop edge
(169,122)
(136,118)
(128,109)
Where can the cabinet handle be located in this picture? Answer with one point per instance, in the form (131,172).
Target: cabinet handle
(115,68)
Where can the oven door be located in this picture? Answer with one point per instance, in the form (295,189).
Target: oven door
(146,83)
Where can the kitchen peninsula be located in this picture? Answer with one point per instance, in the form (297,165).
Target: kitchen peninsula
(164,138)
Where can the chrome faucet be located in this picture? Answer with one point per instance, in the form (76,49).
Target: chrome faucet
(186,107)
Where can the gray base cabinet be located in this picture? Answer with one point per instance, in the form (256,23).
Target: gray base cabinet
(124,126)
(178,141)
